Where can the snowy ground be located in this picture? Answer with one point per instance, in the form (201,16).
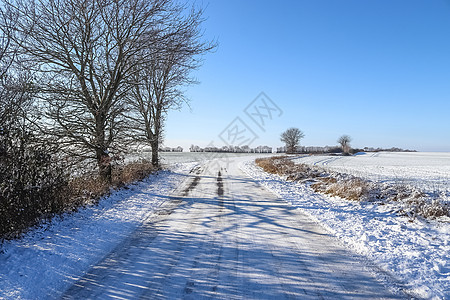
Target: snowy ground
(51,258)
(416,253)
(429,171)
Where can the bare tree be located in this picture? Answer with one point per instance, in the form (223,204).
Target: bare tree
(15,92)
(291,137)
(84,51)
(344,141)
(158,87)
(30,177)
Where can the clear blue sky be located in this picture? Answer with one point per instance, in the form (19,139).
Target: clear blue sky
(376,70)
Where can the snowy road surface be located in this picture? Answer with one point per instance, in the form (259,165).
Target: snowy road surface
(224,236)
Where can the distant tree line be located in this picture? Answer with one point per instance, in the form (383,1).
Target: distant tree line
(312,149)
(292,136)
(232,149)
(393,149)
(169,149)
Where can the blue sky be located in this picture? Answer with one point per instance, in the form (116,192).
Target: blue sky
(378,71)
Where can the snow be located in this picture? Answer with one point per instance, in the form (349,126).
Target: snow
(416,253)
(49,259)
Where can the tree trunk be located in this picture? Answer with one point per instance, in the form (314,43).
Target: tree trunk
(102,154)
(290,149)
(155,156)
(156,137)
(104,165)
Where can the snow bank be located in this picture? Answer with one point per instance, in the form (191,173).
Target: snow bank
(415,253)
(49,259)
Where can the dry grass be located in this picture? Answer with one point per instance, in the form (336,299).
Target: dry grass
(433,210)
(416,207)
(283,166)
(132,172)
(414,202)
(89,188)
(83,190)
(355,189)
(275,165)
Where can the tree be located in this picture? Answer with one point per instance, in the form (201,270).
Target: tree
(157,88)
(84,52)
(291,137)
(344,141)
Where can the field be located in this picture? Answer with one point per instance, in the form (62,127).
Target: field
(428,171)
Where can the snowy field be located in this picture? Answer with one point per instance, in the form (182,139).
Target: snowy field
(416,253)
(429,171)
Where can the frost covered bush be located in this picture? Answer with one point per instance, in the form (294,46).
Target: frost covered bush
(134,171)
(428,209)
(30,181)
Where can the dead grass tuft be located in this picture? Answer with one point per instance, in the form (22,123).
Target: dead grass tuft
(435,209)
(84,190)
(275,165)
(352,189)
(430,210)
(89,188)
(132,172)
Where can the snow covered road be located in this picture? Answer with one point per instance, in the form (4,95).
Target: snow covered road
(222,235)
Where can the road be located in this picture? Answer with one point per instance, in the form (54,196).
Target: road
(224,236)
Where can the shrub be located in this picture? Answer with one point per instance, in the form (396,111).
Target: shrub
(34,188)
(30,179)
